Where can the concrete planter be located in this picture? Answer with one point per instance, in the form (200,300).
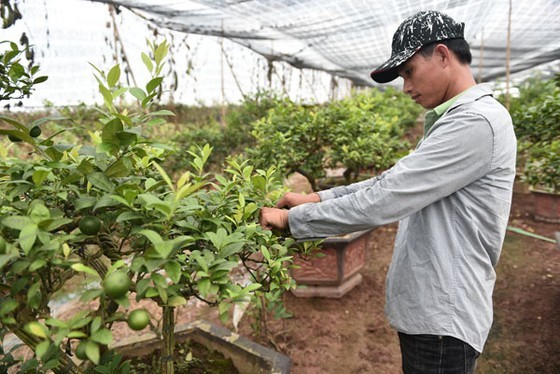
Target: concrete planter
(336,272)
(247,356)
(546,206)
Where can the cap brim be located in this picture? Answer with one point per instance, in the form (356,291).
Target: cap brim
(390,69)
(384,76)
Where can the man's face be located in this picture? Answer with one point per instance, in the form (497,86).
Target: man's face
(423,80)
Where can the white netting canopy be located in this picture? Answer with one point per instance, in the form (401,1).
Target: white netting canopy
(348,38)
(223,50)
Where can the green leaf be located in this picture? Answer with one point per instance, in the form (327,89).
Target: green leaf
(119,169)
(16,222)
(110,132)
(8,306)
(37,264)
(231,249)
(42,348)
(96,324)
(76,335)
(165,176)
(175,301)
(152,236)
(147,61)
(138,93)
(90,295)
(37,329)
(253,287)
(102,336)
(161,52)
(153,84)
(39,176)
(106,201)
(39,213)
(85,202)
(195,255)
(92,352)
(163,112)
(101,181)
(113,75)
(107,96)
(6,258)
(173,269)
(204,286)
(40,79)
(128,216)
(27,237)
(85,269)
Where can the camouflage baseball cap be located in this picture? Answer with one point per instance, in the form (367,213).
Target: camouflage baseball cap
(414,32)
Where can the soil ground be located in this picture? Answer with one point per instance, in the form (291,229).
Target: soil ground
(352,335)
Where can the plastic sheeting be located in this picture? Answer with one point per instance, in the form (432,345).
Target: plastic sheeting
(348,38)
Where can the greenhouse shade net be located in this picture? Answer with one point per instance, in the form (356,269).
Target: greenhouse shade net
(349,38)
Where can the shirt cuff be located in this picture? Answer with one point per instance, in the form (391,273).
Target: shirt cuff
(326,195)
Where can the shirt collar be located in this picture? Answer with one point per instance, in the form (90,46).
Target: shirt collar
(434,114)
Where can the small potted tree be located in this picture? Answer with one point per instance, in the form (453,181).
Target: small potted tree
(362,132)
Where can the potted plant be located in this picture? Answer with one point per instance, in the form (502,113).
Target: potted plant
(538,130)
(109,211)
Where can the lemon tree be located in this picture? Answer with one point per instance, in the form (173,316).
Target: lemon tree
(106,210)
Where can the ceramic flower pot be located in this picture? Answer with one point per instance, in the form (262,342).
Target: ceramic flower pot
(546,206)
(336,271)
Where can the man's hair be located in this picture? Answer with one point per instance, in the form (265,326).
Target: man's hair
(458,46)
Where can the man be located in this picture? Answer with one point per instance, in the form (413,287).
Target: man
(451,196)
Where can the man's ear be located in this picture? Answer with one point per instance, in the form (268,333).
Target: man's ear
(442,54)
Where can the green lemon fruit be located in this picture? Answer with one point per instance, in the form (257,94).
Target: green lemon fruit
(89,225)
(81,351)
(116,284)
(138,319)
(35,131)
(14,138)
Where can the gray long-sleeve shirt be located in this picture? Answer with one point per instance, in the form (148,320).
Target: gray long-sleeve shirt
(452,196)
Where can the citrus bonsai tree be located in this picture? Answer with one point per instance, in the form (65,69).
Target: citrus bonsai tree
(290,137)
(366,131)
(107,210)
(362,132)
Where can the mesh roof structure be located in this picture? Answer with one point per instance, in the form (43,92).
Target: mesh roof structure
(348,38)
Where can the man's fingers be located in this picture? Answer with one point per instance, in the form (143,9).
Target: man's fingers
(282,203)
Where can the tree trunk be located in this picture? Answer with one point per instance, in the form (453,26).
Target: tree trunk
(168,340)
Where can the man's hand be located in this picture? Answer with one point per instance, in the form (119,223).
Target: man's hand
(273,218)
(291,200)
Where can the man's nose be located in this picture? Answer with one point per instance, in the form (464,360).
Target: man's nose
(407,87)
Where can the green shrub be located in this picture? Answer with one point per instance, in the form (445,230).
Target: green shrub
(537,125)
